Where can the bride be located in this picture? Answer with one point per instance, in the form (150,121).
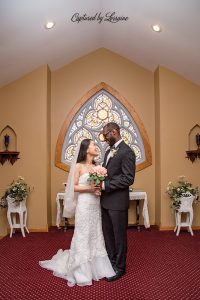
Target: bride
(87,259)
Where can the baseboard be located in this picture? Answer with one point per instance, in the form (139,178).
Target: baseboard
(165,228)
(195,227)
(32,229)
(38,229)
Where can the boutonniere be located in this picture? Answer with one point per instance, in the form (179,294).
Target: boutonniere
(113,152)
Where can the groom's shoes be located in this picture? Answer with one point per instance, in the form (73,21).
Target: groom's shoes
(118,275)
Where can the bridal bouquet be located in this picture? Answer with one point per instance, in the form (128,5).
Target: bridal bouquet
(97,175)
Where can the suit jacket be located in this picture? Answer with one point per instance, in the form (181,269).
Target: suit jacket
(121,173)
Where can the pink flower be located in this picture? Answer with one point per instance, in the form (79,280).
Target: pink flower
(100,171)
(97,175)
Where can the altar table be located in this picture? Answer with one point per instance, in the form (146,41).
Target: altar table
(134,196)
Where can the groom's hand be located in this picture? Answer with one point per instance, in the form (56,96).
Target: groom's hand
(103,185)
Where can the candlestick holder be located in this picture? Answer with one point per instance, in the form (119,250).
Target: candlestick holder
(198,141)
(193,155)
(9,152)
(6,141)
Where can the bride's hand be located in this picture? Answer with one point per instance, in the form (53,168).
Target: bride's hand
(95,189)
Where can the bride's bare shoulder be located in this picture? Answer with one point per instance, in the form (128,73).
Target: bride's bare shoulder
(79,166)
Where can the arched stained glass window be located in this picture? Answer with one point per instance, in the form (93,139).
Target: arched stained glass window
(98,108)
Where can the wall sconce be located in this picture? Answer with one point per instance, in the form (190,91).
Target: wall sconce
(198,141)
(8,140)
(193,155)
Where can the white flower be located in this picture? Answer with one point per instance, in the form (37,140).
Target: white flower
(182,187)
(113,152)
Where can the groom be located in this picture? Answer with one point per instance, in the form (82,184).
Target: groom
(120,164)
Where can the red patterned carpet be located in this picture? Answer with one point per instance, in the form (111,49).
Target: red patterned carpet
(160,266)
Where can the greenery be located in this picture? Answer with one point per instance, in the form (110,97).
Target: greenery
(97,175)
(183,188)
(18,190)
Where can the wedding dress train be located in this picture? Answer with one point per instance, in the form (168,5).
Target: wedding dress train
(87,259)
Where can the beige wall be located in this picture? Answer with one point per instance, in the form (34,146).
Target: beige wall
(24,106)
(37,105)
(136,84)
(179,106)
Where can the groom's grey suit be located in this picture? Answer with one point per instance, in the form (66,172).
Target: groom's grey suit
(115,203)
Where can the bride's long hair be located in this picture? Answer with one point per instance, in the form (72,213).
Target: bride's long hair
(83,151)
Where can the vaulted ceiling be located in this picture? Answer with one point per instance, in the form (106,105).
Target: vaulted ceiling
(25,44)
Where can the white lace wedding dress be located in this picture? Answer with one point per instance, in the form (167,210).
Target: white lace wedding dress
(87,259)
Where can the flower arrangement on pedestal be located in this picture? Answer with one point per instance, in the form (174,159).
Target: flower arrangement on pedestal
(183,188)
(18,190)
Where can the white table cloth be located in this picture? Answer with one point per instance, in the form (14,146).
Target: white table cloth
(59,197)
(141,195)
(136,195)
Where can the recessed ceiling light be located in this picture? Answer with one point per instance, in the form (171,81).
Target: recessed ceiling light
(50,25)
(156,28)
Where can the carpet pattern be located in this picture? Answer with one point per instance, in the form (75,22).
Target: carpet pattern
(160,265)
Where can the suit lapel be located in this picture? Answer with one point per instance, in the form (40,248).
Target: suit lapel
(107,152)
(110,159)
(105,158)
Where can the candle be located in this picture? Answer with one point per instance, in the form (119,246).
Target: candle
(6,139)
(198,139)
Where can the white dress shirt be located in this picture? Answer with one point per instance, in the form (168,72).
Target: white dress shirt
(113,147)
(109,156)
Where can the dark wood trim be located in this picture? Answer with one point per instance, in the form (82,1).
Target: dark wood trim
(11,156)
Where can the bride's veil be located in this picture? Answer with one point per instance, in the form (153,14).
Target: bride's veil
(70,198)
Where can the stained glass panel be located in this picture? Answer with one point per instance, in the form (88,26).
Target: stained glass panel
(100,109)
